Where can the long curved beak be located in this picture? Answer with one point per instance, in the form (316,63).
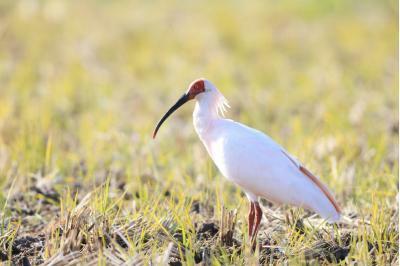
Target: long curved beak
(179,103)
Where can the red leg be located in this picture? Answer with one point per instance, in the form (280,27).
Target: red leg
(258,216)
(251,218)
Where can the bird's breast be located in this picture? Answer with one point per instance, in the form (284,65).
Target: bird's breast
(226,153)
(218,153)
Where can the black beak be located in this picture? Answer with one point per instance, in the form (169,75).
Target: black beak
(179,103)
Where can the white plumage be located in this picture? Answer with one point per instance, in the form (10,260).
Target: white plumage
(252,160)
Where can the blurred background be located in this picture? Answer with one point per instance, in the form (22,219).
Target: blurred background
(83,83)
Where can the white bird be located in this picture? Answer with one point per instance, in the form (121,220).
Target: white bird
(252,160)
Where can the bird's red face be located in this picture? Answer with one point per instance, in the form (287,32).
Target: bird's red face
(197,87)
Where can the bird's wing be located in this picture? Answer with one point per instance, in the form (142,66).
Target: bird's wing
(260,155)
(314,179)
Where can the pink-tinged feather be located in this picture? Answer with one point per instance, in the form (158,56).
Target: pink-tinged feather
(316,181)
(323,188)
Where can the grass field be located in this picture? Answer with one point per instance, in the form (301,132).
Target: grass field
(83,83)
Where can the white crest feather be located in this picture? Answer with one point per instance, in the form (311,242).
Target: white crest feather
(222,104)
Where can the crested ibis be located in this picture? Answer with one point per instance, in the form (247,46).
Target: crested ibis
(252,160)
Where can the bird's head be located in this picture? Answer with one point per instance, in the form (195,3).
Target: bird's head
(197,89)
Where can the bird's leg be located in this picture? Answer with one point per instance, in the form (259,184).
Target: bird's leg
(251,218)
(258,216)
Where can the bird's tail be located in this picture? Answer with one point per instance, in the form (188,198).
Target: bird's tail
(329,209)
(323,188)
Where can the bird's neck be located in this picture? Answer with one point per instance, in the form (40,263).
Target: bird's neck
(205,112)
(209,107)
